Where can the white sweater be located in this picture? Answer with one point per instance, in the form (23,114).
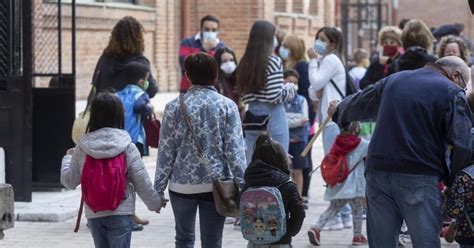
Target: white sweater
(320,72)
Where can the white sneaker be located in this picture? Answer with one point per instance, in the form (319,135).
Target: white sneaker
(333,224)
(347,223)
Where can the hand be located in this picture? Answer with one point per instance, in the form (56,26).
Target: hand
(383,60)
(304,121)
(355,128)
(312,54)
(163,204)
(332,107)
(209,44)
(315,105)
(70,151)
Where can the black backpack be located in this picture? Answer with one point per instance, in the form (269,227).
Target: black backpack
(350,86)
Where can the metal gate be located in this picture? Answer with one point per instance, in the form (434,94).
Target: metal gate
(26,106)
(53,92)
(361,21)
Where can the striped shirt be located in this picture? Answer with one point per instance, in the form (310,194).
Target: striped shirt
(274,91)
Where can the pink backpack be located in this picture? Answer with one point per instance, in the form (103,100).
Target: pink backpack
(103,182)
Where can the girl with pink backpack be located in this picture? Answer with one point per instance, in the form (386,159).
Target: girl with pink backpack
(110,170)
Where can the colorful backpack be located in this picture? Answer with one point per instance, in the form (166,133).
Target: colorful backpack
(103,182)
(262,215)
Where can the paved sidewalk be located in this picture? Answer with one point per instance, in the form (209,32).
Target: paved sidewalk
(160,232)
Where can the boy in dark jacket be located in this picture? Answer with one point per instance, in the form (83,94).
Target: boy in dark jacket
(269,167)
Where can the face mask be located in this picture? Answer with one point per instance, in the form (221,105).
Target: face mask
(320,47)
(390,50)
(228,67)
(145,85)
(275,42)
(212,36)
(284,53)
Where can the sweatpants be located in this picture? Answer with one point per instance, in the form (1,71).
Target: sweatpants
(335,206)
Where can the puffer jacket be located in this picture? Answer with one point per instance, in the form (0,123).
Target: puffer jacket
(260,174)
(107,143)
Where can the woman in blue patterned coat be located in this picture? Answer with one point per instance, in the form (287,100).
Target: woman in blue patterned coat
(216,123)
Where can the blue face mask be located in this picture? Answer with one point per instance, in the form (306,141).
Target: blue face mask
(275,42)
(284,52)
(320,47)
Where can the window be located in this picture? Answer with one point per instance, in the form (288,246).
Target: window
(280,5)
(117,1)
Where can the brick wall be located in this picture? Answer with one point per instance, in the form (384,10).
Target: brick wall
(162,20)
(439,12)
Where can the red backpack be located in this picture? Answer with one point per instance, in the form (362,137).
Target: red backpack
(335,166)
(103,182)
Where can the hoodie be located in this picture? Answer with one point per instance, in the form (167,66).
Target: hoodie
(414,58)
(108,143)
(260,174)
(110,73)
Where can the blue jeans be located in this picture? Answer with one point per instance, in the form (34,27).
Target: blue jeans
(394,197)
(277,126)
(112,231)
(211,222)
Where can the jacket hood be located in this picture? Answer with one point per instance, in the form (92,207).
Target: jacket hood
(105,142)
(414,58)
(261,174)
(118,65)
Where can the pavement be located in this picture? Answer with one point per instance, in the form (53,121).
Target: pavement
(60,209)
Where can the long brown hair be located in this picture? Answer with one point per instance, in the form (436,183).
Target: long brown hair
(297,48)
(126,39)
(253,65)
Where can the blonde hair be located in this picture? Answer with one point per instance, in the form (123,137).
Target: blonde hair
(297,48)
(416,33)
(465,54)
(390,32)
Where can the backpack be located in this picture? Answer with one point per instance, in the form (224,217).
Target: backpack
(103,182)
(262,214)
(350,86)
(335,165)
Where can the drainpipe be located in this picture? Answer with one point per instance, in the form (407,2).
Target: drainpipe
(185,16)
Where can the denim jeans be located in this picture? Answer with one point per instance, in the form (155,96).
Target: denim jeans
(211,222)
(394,197)
(111,231)
(466,246)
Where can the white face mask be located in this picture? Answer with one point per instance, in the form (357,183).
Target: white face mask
(212,36)
(228,67)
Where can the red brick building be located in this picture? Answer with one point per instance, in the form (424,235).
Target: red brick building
(166,22)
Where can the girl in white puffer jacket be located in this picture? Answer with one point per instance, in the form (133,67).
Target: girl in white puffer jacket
(107,139)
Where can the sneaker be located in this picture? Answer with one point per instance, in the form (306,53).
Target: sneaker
(347,223)
(237,225)
(305,199)
(229,220)
(137,227)
(333,224)
(314,236)
(359,240)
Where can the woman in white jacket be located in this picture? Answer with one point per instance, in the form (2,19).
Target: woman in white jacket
(106,139)
(326,72)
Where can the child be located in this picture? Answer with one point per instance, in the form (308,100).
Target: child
(357,72)
(352,190)
(269,167)
(460,200)
(298,123)
(105,140)
(136,104)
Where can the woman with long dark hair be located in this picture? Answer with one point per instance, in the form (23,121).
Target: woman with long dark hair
(126,45)
(227,63)
(260,84)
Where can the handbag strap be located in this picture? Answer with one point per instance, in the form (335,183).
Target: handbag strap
(353,168)
(187,120)
(337,88)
